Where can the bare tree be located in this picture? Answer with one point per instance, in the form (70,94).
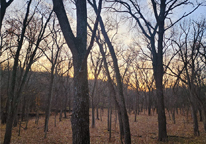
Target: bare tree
(120,98)
(189,45)
(16,90)
(97,65)
(53,59)
(155,31)
(80,52)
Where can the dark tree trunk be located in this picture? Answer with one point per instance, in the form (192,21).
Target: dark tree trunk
(101,114)
(19,127)
(69,103)
(135,111)
(80,116)
(37,116)
(110,124)
(78,44)
(16,118)
(173,115)
(108,115)
(138,109)
(23,109)
(60,115)
(97,112)
(65,106)
(149,103)
(158,75)
(49,100)
(195,121)
(200,114)
(93,112)
(193,102)
(9,124)
(27,117)
(204,118)
(162,136)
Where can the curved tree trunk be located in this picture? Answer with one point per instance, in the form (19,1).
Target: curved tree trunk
(120,99)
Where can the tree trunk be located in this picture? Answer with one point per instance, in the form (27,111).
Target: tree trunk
(173,116)
(93,112)
(27,118)
(49,100)
(110,124)
(16,119)
(204,117)
(23,109)
(195,121)
(77,45)
(65,106)
(9,124)
(80,115)
(108,115)
(149,103)
(113,92)
(200,114)
(55,117)
(135,111)
(37,116)
(97,112)
(162,135)
(60,115)
(121,101)
(19,127)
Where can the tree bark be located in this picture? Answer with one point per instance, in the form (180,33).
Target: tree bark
(162,135)
(80,115)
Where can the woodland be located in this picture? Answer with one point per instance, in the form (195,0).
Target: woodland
(102,71)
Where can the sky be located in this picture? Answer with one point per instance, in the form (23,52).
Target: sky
(123,30)
(18,4)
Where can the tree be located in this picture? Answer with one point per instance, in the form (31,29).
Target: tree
(155,31)
(191,36)
(111,87)
(16,89)
(97,65)
(120,98)
(53,59)
(80,52)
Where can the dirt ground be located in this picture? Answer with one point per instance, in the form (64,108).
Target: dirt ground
(144,131)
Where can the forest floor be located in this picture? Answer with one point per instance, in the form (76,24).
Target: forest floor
(144,131)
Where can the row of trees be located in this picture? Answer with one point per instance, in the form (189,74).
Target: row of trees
(169,55)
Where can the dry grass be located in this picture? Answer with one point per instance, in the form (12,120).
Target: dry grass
(143,131)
